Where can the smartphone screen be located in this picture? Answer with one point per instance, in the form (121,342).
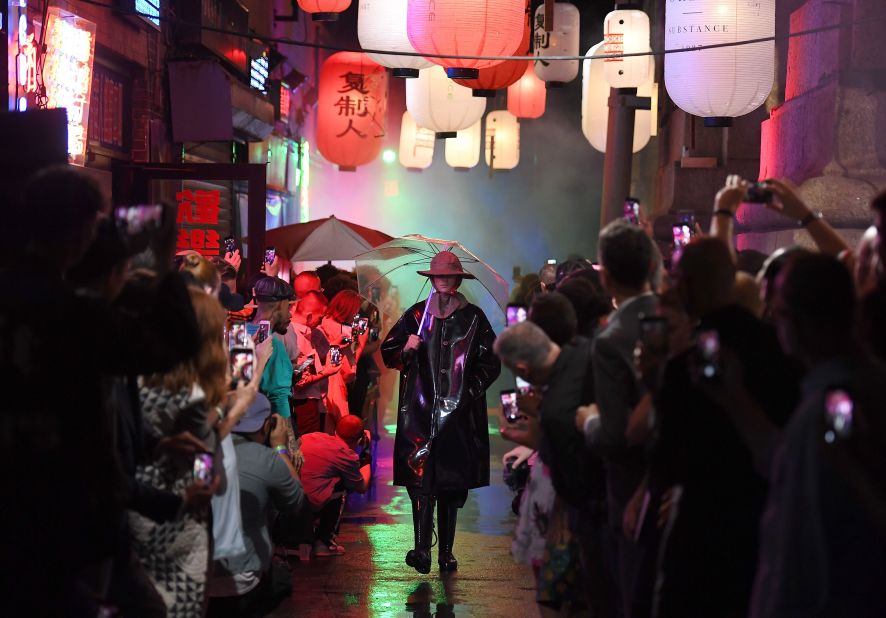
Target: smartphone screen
(203,467)
(262,332)
(551,262)
(270,254)
(523,387)
(632,210)
(516,314)
(335,355)
(709,353)
(237,336)
(140,218)
(838,415)
(654,333)
(231,244)
(509,405)
(242,365)
(684,229)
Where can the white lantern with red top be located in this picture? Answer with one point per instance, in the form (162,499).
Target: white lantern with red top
(626,32)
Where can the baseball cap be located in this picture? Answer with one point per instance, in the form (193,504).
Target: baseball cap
(349,427)
(254,416)
(272,289)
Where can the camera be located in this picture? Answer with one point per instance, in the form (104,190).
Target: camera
(757,193)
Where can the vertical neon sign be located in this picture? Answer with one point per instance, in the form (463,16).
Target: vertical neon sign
(67,74)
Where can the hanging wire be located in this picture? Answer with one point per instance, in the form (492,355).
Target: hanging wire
(336,48)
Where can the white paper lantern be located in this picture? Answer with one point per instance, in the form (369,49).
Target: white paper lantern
(439,104)
(626,32)
(381,24)
(463,150)
(725,82)
(562,41)
(416,144)
(595,103)
(502,140)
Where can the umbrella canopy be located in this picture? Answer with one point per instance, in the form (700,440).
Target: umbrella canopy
(387,276)
(323,240)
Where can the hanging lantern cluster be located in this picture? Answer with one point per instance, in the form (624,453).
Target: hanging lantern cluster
(324,10)
(465,28)
(439,104)
(416,144)
(526,98)
(502,140)
(719,84)
(563,40)
(463,150)
(381,25)
(351,109)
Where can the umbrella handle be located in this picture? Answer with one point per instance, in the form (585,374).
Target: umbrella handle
(424,316)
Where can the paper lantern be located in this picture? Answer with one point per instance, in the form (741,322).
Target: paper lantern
(561,41)
(595,103)
(324,10)
(463,150)
(381,24)
(351,109)
(725,82)
(465,28)
(526,98)
(439,104)
(626,32)
(502,75)
(502,140)
(416,144)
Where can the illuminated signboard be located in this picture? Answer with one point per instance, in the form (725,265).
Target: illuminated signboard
(258,73)
(199,210)
(285,99)
(67,74)
(149,10)
(22,65)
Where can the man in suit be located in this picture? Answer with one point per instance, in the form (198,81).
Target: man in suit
(627,260)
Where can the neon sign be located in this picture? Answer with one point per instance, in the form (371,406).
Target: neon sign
(258,73)
(67,74)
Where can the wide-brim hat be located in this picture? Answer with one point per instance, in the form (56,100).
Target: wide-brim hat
(446,264)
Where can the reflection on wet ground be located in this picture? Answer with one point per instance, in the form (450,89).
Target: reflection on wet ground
(371,579)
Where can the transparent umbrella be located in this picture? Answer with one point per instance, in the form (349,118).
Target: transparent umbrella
(388,277)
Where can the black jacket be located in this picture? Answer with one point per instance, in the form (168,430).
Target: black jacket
(445,381)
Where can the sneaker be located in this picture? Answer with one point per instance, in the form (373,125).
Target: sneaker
(328,549)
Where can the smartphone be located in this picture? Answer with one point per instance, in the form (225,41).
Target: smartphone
(138,219)
(523,387)
(359,325)
(237,336)
(374,334)
(203,467)
(509,405)
(270,255)
(757,193)
(632,210)
(551,262)
(263,332)
(684,229)
(242,365)
(654,333)
(838,415)
(335,355)
(516,314)
(303,366)
(231,244)
(708,351)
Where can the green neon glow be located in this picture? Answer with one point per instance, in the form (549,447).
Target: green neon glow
(389,156)
(304,210)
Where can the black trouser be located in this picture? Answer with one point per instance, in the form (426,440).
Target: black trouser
(329,518)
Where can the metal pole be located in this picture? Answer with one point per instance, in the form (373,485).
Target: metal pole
(619,153)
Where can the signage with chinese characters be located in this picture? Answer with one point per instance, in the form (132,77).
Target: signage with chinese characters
(108,117)
(22,60)
(198,221)
(285,100)
(67,74)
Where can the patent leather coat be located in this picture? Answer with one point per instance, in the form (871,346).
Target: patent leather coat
(443,394)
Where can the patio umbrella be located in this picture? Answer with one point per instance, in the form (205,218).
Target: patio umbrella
(387,276)
(323,240)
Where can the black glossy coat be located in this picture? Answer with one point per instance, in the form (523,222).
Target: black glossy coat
(445,379)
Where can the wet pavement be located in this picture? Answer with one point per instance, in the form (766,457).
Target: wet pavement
(371,579)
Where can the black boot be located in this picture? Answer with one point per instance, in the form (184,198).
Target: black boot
(422,523)
(446,516)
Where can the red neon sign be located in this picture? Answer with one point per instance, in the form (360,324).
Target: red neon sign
(198,208)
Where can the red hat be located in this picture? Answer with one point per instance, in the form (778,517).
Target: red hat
(349,427)
(444,264)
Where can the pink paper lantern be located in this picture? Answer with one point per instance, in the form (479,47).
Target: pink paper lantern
(526,98)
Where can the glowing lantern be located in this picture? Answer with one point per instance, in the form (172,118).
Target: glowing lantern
(526,98)
(439,104)
(595,103)
(351,109)
(720,83)
(324,10)
(381,24)
(502,75)
(502,140)
(463,151)
(465,28)
(626,32)
(562,41)
(416,144)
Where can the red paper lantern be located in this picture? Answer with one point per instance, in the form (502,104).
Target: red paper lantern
(351,109)
(324,10)
(526,98)
(502,75)
(465,28)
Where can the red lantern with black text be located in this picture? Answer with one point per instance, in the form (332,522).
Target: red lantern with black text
(465,28)
(526,98)
(351,109)
(502,75)
(324,10)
